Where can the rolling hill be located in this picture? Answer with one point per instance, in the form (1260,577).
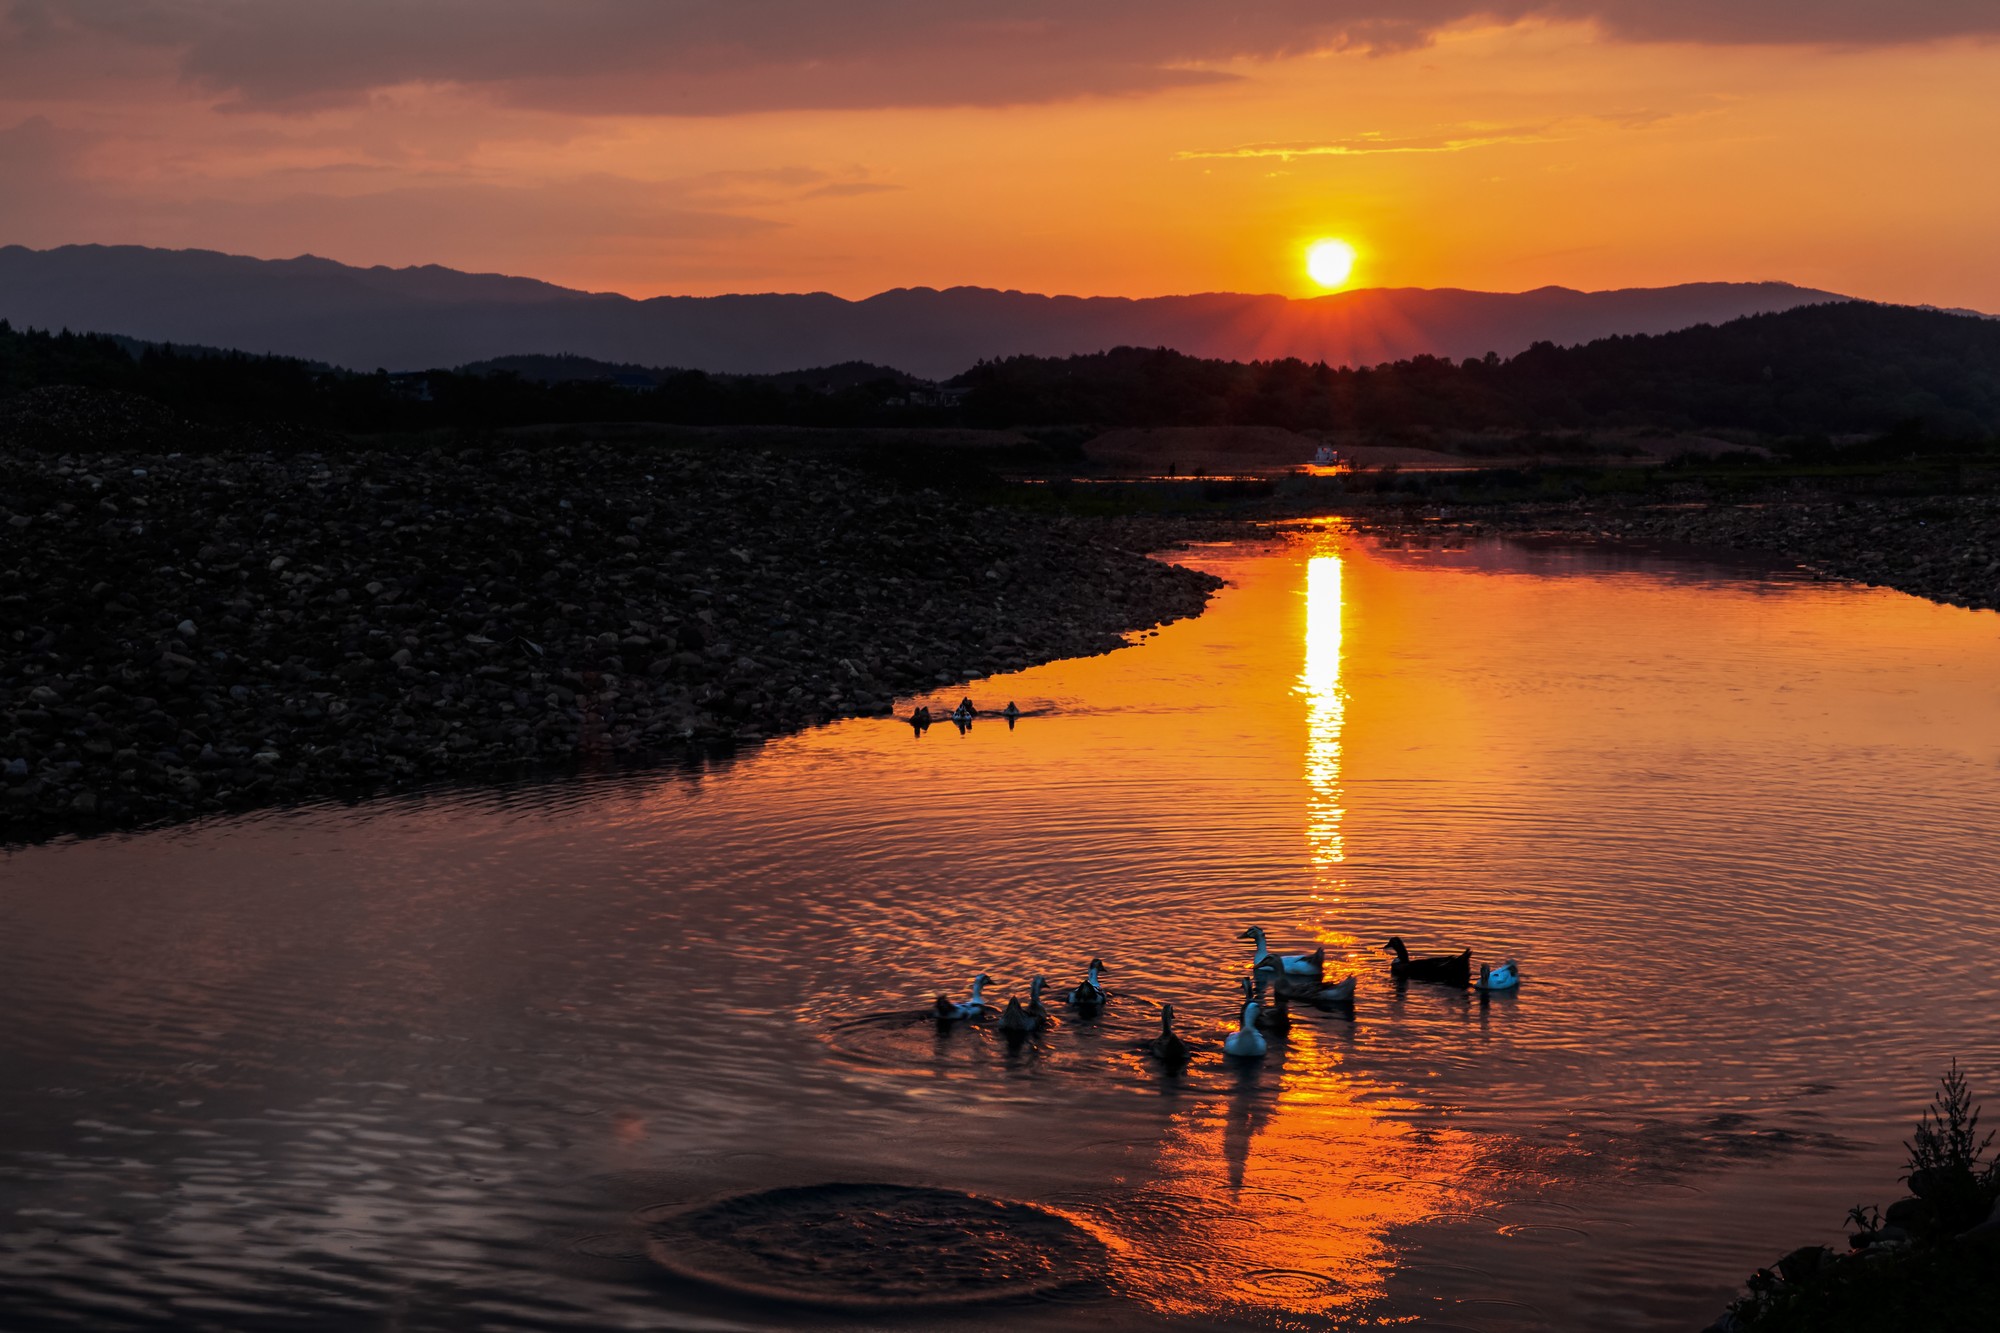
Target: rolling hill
(419,318)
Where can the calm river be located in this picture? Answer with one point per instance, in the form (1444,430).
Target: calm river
(436,1063)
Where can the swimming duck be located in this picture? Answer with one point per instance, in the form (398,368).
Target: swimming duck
(1018,1018)
(920,717)
(1294,964)
(1168,1048)
(1010,711)
(1313,990)
(1276,1017)
(1088,994)
(1504,977)
(1036,1009)
(972,1006)
(1451,969)
(1014,1020)
(965,708)
(1246,1041)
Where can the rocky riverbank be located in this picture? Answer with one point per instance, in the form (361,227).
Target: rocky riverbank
(183,634)
(1945,548)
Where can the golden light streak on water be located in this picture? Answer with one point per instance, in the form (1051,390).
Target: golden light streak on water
(1326,707)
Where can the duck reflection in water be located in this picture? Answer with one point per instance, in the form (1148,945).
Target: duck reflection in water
(1248,1112)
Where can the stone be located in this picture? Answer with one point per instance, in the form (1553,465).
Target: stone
(761,605)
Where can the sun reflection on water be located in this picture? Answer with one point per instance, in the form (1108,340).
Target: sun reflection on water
(1326,708)
(1289,1185)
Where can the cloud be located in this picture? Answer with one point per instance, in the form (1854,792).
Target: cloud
(714,57)
(1364,144)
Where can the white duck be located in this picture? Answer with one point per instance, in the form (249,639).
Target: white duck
(1293,965)
(1313,990)
(1089,994)
(972,1006)
(1246,1041)
(1504,977)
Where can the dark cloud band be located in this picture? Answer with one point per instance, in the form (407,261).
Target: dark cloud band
(708,57)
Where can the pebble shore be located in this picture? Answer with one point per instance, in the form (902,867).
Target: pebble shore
(1945,548)
(189,634)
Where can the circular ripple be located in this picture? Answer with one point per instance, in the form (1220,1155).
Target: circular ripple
(626,1247)
(1453,1219)
(875,1247)
(1291,1282)
(1547,1232)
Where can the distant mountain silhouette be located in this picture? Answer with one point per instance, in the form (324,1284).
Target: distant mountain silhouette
(419,318)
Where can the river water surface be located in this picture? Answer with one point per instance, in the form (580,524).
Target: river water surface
(436,1063)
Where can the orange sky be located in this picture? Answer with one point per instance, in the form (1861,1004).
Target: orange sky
(1114,153)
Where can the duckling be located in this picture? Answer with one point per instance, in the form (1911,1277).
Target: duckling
(972,1006)
(1168,1048)
(1504,977)
(1294,964)
(1246,1042)
(1452,969)
(1089,995)
(1277,1017)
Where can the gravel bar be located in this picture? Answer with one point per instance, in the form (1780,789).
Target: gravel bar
(188,634)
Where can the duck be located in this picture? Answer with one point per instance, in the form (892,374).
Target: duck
(1168,1048)
(972,1006)
(1015,1020)
(1313,990)
(1276,1017)
(1010,712)
(1020,1019)
(920,717)
(1036,1009)
(1504,977)
(1451,969)
(965,708)
(1088,994)
(1246,1042)
(1293,964)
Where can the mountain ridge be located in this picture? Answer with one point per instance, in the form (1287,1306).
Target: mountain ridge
(423,316)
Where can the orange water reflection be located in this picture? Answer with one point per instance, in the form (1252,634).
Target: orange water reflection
(1318,1166)
(1629,772)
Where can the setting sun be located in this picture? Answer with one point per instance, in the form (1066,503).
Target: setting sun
(1330,263)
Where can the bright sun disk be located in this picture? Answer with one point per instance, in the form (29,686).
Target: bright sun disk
(1330,262)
